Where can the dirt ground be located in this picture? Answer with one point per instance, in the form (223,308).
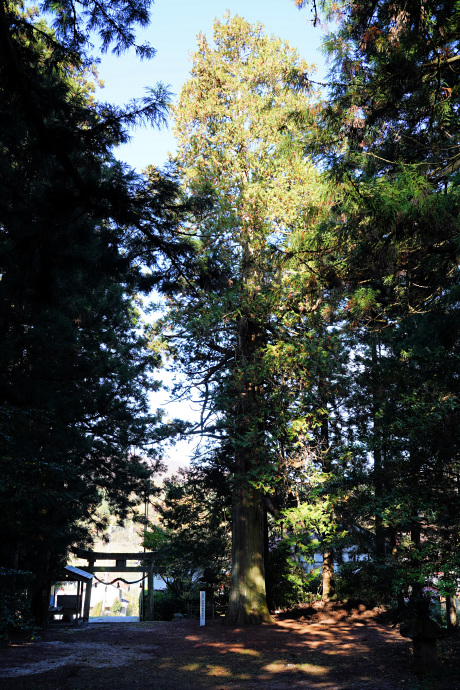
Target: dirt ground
(328,648)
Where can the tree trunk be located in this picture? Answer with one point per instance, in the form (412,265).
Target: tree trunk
(248,603)
(451,612)
(42,588)
(248,599)
(328,575)
(416,535)
(40,601)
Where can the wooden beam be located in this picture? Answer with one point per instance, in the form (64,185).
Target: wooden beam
(127,569)
(103,556)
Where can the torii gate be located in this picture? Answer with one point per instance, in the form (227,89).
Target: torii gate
(147,557)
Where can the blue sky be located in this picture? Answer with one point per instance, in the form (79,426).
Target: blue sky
(173,30)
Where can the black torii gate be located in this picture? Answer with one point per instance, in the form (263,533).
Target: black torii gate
(146,558)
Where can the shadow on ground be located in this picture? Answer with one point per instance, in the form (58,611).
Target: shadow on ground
(326,650)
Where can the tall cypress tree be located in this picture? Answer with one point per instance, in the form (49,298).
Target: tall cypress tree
(236,138)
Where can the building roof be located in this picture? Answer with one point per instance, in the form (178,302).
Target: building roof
(73,573)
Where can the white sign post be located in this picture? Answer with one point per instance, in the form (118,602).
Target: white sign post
(202,608)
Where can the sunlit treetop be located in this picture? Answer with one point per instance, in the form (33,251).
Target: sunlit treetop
(236,128)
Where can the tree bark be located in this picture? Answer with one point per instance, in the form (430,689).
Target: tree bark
(416,535)
(328,575)
(40,601)
(248,602)
(41,588)
(248,599)
(451,612)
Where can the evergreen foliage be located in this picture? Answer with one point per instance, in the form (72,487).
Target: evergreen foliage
(237,141)
(78,231)
(312,302)
(389,138)
(350,301)
(193,534)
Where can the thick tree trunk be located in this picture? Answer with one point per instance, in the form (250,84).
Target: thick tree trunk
(40,602)
(41,589)
(328,575)
(248,603)
(248,599)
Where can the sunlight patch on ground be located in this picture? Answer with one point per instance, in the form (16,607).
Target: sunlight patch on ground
(190,667)
(225,648)
(312,669)
(167,663)
(281,666)
(214,670)
(218,671)
(236,649)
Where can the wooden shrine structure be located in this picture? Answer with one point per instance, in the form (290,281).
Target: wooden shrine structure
(69,605)
(145,564)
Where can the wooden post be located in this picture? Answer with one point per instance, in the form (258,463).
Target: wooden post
(150,592)
(88,589)
(79,590)
(451,612)
(87,607)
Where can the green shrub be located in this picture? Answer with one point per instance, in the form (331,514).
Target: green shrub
(15,618)
(15,615)
(370,582)
(116,607)
(97,610)
(288,584)
(166,604)
(135,606)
